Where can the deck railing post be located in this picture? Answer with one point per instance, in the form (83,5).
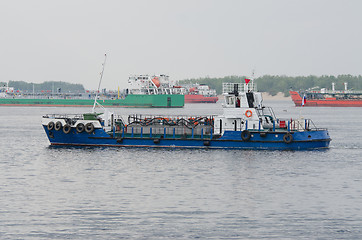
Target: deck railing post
(174,134)
(141,132)
(192,133)
(202,133)
(150,132)
(259,125)
(288,126)
(164,132)
(274,126)
(132,131)
(123,132)
(246,125)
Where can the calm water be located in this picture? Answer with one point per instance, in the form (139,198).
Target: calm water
(115,193)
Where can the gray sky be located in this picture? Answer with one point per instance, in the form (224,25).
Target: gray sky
(65,40)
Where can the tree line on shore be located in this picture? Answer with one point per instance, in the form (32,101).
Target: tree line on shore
(267,83)
(275,83)
(54,86)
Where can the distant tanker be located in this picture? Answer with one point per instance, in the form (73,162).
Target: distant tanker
(327,98)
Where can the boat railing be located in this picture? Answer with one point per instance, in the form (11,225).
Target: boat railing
(303,125)
(179,120)
(228,88)
(327,91)
(205,132)
(280,124)
(64,116)
(169,130)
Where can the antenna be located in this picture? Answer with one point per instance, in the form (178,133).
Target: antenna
(99,85)
(252,79)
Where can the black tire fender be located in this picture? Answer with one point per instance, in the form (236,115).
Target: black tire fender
(80,127)
(288,138)
(51,134)
(89,127)
(58,126)
(50,126)
(245,135)
(67,128)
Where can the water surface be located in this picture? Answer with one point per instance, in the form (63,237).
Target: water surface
(114,193)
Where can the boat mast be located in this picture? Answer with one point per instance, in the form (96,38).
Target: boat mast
(252,80)
(99,84)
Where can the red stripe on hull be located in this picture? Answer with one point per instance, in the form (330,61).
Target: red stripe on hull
(189,98)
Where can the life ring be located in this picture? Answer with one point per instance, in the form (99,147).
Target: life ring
(245,135)
(288,138)
(248,113)
(50,126)
(89,127)
(80,127)
(58,126)
(66,128)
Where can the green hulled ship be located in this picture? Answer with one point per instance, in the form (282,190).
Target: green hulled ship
(145,91)
(132,100)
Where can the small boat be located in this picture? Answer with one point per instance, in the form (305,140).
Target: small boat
(244,124)
(327,98)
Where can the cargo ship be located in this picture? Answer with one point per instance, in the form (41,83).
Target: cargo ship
(201,94)
(244,124)
(145,91)
(141,100)
(327,98)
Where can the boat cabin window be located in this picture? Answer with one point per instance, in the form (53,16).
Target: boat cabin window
(230,100)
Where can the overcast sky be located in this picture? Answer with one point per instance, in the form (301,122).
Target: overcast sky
(66,40)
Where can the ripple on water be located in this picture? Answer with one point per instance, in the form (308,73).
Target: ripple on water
(112,193)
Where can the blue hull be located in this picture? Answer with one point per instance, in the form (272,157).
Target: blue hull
(230,140)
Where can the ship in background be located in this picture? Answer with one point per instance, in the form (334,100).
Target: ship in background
(144,91)
(327,98)
(162,84)
(200,93)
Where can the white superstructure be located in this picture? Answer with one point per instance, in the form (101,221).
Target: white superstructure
(243,109)
(147,84)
